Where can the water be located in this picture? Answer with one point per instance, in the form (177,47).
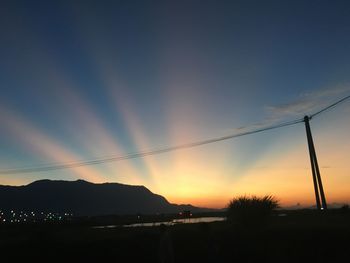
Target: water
(170,223)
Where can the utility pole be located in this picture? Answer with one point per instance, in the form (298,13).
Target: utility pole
(316,175)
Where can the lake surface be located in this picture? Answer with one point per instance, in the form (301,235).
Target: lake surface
(170,223)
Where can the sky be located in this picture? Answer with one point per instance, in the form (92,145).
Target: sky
(82,80)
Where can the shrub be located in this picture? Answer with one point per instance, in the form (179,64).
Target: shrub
(344,209)
(251,210)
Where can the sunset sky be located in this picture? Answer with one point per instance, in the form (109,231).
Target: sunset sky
(81,80)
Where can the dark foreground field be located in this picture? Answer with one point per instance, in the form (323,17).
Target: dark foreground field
(297,237)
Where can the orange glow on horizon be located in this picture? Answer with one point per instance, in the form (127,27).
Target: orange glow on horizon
(207,176)
(183,179)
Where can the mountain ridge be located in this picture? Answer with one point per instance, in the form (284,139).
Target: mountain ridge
(84,198)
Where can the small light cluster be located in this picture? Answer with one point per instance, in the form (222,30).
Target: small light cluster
(13,216)
(185,214)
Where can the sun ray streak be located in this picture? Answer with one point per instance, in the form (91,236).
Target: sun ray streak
(42,145)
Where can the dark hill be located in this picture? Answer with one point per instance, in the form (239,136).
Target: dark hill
(84,198)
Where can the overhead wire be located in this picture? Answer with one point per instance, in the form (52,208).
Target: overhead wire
(142,153)
(330,106)
(160,150)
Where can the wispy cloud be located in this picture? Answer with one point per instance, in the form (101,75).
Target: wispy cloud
(308,103)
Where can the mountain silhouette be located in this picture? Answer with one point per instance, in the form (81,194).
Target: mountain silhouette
(83,198)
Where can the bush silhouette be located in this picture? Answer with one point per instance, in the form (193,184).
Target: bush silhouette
(251,210)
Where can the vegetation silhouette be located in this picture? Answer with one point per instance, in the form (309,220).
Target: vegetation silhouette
(300,235)
(251,210)
(345,208)
(165,249)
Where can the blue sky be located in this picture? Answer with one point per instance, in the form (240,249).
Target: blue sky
(85,79)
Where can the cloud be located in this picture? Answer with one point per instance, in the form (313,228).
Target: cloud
(294,108)
(308,103)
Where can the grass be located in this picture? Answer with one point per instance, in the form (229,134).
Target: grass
(251,210)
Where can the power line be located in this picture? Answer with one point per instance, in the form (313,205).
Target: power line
(330,106)
(143,153)
(159,150)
